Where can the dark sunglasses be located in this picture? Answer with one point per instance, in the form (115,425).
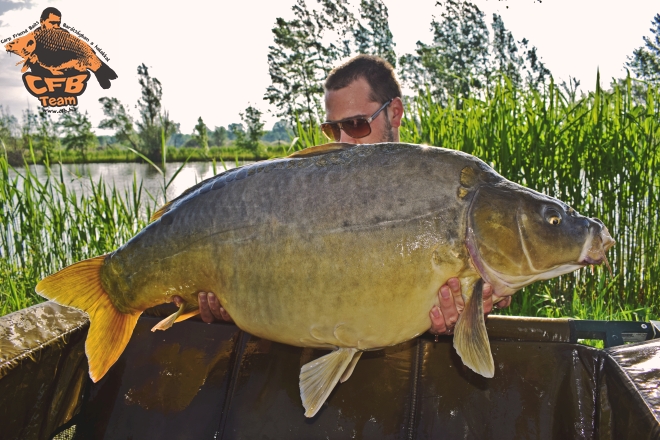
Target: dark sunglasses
(356,127)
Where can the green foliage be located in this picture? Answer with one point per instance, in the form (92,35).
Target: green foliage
(457,61)
(145,134)
(645,61)
(249,139)
(601,155)
(219,136)
(46,136)
(299,61)
(306,48)
(200,134)
(38,131)
(46,226)
(281,131)
(464,60)
(9,129)
(372,33)
(234,128)
(78,135)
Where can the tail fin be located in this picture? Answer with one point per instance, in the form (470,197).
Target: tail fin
(79,286)
(104,74)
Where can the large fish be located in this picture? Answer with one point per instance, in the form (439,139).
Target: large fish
(340,247)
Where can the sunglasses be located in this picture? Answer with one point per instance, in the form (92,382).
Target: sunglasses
(356,127)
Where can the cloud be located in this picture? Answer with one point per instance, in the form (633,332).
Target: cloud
(8,5)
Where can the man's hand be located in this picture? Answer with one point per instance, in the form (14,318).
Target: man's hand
(444,318)
(209,307)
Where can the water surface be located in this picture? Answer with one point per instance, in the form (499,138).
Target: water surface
(121,175)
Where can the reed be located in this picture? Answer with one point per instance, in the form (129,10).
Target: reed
(46,226)
(599,155)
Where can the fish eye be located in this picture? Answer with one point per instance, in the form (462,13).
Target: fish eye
(553,217)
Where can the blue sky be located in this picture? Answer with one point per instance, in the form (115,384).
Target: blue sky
(211,57)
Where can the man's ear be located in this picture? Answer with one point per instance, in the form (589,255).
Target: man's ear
(396,112)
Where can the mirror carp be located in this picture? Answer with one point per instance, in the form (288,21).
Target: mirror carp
(342,247)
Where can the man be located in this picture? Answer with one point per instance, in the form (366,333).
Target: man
(51,18)
(363,106)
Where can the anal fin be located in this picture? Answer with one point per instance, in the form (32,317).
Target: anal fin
(186,310)
(319,377)
(470,336)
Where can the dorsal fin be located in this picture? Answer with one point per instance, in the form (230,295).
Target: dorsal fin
(321,149)
(162,210)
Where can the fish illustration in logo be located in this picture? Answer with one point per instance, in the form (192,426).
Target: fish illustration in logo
(57,51)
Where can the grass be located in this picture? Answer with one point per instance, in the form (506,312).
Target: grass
(44,227)
(600,155)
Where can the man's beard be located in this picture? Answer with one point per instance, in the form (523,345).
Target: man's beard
(388,136)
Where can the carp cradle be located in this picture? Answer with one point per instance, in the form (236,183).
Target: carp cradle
(203,381)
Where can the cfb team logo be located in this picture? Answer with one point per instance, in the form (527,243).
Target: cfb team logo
(58,62)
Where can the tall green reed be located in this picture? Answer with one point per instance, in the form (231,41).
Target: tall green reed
(600,155)
(44,226)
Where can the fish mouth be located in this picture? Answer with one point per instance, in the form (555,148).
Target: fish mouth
(594,250)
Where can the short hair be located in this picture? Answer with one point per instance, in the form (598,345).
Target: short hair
(378,73)
(50,10)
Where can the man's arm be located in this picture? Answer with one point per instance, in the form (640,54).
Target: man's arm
(443,318)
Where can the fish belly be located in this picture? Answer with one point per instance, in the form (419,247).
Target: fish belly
(361,289)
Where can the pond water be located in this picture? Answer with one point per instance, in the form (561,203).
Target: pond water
(121,175)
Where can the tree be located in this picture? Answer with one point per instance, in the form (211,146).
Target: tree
(505,57)
(301,58)
(120,120)
(29,128)
(250,138)
(219,136)
(46,135)
(645,61)
(375,38)
(463,58)
(233,130)
(457,61)
(306,49)
(78,132)
(144,135)
(9,130)
(281,131)
(200,134)
(537,74)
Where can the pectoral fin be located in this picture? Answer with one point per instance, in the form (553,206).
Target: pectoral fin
(470,336)
(319,377)
(186,310)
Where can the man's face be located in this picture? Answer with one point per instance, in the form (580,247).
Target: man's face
(353,100)
(52,22)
